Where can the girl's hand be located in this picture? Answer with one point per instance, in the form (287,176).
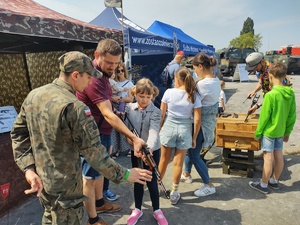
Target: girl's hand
(194,144)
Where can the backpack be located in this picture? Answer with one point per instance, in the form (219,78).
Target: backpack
(166,78)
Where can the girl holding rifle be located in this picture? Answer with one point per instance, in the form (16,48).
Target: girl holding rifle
(144,117)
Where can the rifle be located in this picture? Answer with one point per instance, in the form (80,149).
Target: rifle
(254,101)
(149,161)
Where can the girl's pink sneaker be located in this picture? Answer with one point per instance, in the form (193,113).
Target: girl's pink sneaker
(160,217)
(134,217)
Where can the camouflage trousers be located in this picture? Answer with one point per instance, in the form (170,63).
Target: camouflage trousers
(55,214)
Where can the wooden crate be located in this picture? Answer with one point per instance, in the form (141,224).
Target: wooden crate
(237,139)
(235,133)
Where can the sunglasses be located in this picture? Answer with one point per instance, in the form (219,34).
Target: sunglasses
(119,71)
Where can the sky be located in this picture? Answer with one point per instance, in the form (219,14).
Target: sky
(214,22)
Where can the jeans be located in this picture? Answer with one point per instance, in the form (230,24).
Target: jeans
(106,142)
(193,158)
(208,124)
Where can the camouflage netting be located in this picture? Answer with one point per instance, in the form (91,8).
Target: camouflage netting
(43,69)
(13,85)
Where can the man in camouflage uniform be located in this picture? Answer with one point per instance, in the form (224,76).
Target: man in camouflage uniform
(255,62)
(50,133)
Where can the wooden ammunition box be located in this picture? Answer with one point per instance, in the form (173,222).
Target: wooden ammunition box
(234,132)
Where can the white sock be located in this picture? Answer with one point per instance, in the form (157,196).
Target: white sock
(262,184)
(273,181)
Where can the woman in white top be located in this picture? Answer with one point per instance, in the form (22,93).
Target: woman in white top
(177,107)
(209,90)
(118,140)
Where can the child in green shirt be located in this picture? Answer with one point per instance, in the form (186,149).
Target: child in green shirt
(276,122)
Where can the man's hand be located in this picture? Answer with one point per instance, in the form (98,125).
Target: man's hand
(251,94)
(138,143)
(140,175)
(35,182)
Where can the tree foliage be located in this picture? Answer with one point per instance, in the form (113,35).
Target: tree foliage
(247,38)
(248,26)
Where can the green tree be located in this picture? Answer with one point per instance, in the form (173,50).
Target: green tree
(247,38)
(248,26)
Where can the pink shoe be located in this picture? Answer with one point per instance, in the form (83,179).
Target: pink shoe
(160,217)
(134,217)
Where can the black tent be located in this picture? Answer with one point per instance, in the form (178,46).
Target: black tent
(27,26)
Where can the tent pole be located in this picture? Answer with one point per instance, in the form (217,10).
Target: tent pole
(26,70)
(123,49)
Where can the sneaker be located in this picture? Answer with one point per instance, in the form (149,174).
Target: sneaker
(186,179)
(110,196)
(258,187)
(134,217)
(174,197)
(160,217)
(205,191)
(274,186)
(108,207)
(99,222)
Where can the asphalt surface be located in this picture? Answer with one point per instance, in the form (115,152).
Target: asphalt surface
(234,202)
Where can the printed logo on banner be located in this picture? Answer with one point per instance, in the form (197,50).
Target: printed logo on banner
(5,190)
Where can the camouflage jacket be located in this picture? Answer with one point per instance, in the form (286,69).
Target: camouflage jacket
(51,131)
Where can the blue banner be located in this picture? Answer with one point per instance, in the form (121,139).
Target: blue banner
(140,40)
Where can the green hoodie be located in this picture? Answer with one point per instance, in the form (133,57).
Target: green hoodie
(278,113)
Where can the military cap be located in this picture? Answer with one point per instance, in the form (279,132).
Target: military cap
(77,61)
(252,60)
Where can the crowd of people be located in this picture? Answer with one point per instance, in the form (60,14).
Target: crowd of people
(68,132)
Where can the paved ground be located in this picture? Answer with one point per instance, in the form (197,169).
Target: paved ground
(234,203)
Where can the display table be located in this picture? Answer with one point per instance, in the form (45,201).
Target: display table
(236,137)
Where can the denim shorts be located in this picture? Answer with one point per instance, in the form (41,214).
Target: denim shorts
(87,171)
(271,144)
(176,133)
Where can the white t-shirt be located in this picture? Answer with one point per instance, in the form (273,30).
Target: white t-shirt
(209,90)
(222,96)
(125,84)
(178,104)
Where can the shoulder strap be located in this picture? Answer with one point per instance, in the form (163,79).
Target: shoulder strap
(125,83)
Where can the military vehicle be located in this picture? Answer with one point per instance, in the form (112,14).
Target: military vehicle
(289,55)
(230,57)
